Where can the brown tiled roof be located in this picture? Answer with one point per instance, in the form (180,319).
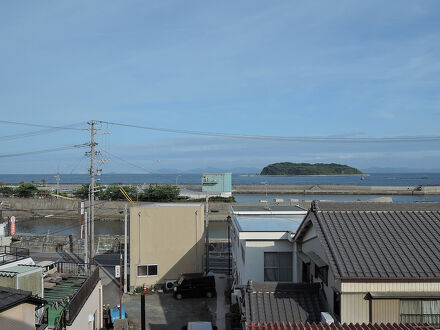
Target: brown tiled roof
(378,240)
(283,302)
(338,326)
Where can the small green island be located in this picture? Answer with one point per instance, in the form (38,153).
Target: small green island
(287,168)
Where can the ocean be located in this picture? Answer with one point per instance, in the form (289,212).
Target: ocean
(374,179)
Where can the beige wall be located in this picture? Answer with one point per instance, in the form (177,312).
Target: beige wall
(92,306)
(356,309)
(386,310)
(21,317)
(171,236)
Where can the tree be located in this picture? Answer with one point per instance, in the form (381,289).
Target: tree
(43,182)
(165,193)
(113,192)
(26,190)
(6,191)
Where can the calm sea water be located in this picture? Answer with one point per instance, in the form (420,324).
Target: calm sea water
(376,179)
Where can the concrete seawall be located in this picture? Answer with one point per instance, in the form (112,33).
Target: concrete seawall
(331,189)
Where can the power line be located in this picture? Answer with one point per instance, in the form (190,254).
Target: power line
(127,162)
(286,138)
(44,150)
(67,127)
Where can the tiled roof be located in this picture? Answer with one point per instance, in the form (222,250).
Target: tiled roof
(338,326)
(12,297)
(283,302)
(378,240)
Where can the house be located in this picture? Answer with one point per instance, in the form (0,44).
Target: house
(377,262)
(165,241)
(274,303)
(262,241)
(74,298)
(17,309)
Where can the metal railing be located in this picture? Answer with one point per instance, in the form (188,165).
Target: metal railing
(432,319)
(81,296)
(12,253)
(76,269)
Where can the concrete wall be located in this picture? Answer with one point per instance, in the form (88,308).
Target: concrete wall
(21,317)
(170,236)
(92,307)
(31,282)
(254,264)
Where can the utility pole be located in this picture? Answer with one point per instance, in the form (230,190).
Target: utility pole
(92,191)
(207,234)
(125,248)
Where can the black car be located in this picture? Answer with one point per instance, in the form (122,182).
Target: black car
(194,285)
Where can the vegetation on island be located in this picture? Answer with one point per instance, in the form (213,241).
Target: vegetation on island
(288,168)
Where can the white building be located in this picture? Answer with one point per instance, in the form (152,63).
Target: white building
(262,242)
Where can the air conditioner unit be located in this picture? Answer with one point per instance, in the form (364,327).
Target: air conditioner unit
(169,285)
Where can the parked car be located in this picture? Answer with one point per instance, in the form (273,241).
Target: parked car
(194,285)
(199,325)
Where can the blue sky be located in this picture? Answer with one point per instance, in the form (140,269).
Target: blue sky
(294,68)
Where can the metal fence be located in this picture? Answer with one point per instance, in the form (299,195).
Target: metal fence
(81,296)
(76,269)
(12,253)
(220,257)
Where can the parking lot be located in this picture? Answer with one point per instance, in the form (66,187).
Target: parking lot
(163,311)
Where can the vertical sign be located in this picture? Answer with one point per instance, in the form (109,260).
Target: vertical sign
(12,220)
(117,271)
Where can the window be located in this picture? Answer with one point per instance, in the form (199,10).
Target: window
(278,266)
(147,270)
(322,273)
(420,311)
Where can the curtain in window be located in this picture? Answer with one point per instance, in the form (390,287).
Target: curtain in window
(431,311)
(271,265)
(410,311)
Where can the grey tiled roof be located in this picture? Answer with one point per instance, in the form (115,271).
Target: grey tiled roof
(283,302)
(379,240)
(344,326)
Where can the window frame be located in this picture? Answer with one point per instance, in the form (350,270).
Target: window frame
(147,265)
(278,268)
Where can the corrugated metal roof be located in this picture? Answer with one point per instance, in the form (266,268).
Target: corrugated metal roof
(20,269)
(339,326)
(378,240)
(12,297)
